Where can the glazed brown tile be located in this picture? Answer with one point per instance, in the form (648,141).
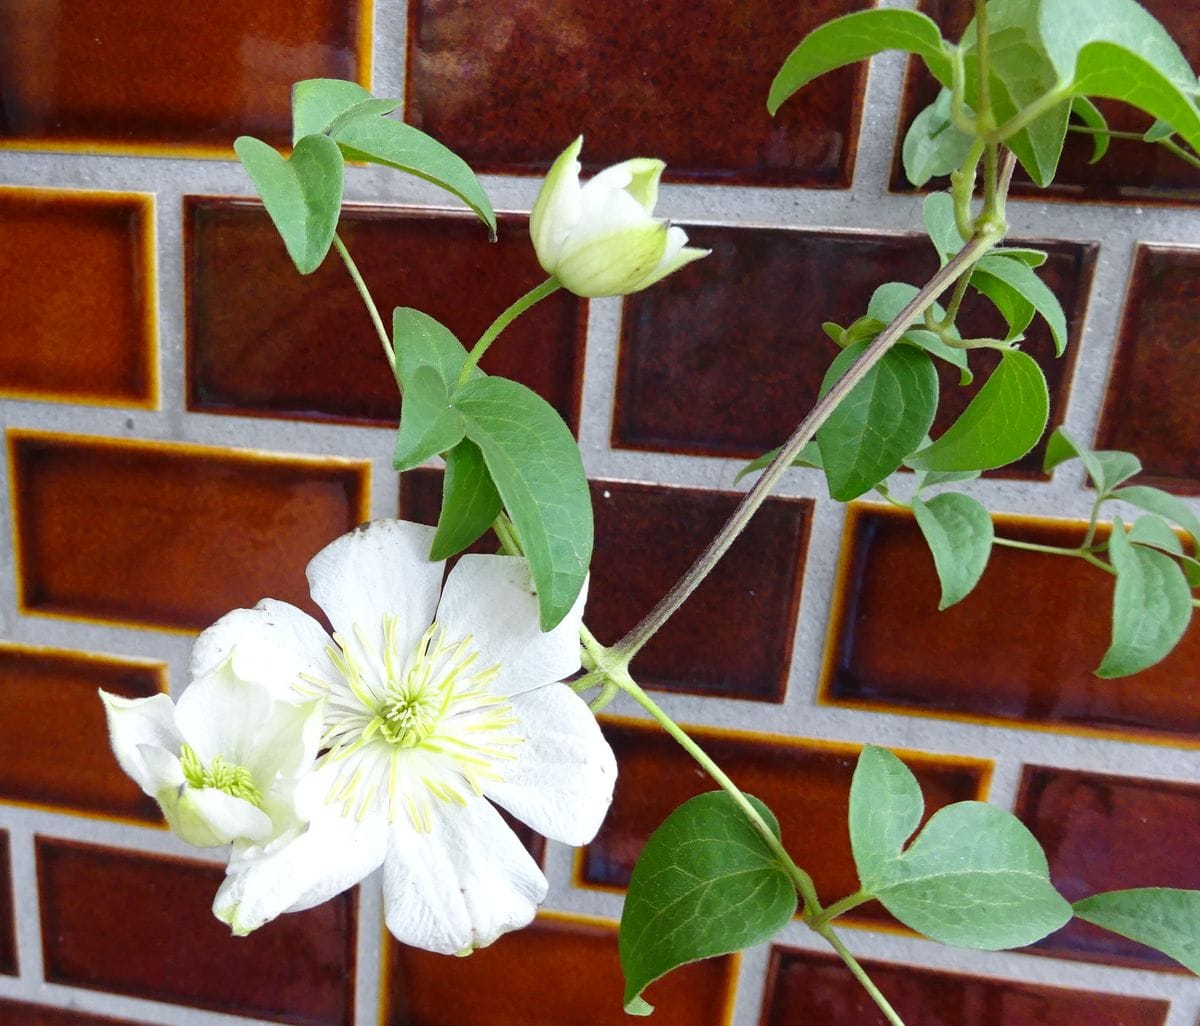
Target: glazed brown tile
(263,340)
(726,357)
(510,91)
(1110,833)
(18,1013)
(142,925)
(79,295)
(733,637)
(170,536)
(1130,171)
(557,972)
(114,75)
(804,988)
(805,783)
(63,761)
(8,921)
(1148,408)
(1047,624)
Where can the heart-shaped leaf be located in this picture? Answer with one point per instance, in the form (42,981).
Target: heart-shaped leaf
(959,533)
(429,424)
(320,104)
(303,195)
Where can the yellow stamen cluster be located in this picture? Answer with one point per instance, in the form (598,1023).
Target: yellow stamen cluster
(225,776)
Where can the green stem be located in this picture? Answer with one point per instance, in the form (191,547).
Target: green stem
(629,645)
(534,295)
(956,298)
(860,974)
(372,309)
(1170,144)
(1055,550)
(802,881)
(1042,105)
(838,908)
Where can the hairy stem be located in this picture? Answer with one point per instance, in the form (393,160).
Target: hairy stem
(860,974)
(838,908)
(534,295)
(361,285)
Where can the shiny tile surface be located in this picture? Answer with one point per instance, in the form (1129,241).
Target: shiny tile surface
(684,82)
(805,783)
(262,340)
(18,1013)
(121,75)
(891,649)
(725,357)
(8,923)
(77,273)
(142,925)
(1131,171)
(166,535)
(1149,407)
(805,989)
(558,972)
(733,637)
(1106,833)
(64,761)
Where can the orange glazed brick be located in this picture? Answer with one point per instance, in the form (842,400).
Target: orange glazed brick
(809,989)
(558,972)
(1047,624)
(142,925)
(170,536)
(805,783)
(61,761)
(8,926)
(127,76)
(77,275)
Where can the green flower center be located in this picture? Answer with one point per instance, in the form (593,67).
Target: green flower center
(229,777)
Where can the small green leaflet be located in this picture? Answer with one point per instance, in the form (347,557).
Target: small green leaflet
(535,465)
(809,456)
(303,195)
(706,884)
(885,305)
(974,876)
(395,144)
(855,37)
(1089,114)
(318,104)
(1152,606)
(429,423)
(937,213)
(419,340)
(1019,277)
(1016,310)
(882,420)
(933,145)
(1162,917)
(1001,424)
(959,533)
(1155,500)
(1157,533)
(470,502)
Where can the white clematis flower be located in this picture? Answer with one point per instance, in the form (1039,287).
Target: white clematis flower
(222,764)
(600,239)
(434,710)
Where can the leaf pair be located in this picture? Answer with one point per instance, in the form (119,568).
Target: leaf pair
(334,121)
(505,447)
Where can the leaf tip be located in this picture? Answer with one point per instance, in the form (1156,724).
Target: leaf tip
(637,1006)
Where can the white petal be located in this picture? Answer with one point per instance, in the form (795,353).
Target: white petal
(605,214)
(462,884)
(492,599)
(287,742)
(220,715)
(379,569)
(299,871)
(562,781)
(556,208)
(164,773)
(674,257)
(271,644)
(209,818)
(137,722)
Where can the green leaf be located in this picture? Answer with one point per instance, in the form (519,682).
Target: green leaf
(855,37)
(933,145)
(1089,114)
(809,456)
(1157,533)
(934,346)
(318,104)
(1001,424)
(1029,257)
(833,330)
(1062,446)
(974,876)
(884,307)
(929,478)
(395,144)
(1155,500)
(706,884)
(1116,467)
(470,502)
(429,424)
(1152,606)
(302,195)
(1020,277)
(420,341)
(1016,310)
(1164,918)
(881,421)
(937,212)
(959,533)
(534,462)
